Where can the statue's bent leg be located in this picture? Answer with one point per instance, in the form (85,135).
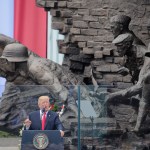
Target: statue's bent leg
(144,103)
(142,113)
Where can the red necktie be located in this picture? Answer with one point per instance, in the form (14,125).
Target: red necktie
(43,120)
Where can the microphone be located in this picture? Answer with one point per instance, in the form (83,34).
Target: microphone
(43,110)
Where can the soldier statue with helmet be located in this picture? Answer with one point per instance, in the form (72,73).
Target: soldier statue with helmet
(23,65)
(39,69)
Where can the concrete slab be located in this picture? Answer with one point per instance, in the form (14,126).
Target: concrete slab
(9,148)
(9,142)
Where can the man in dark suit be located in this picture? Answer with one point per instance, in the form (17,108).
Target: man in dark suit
(43,119)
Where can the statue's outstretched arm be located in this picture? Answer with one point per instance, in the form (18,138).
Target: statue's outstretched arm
(42,72)
(126,93)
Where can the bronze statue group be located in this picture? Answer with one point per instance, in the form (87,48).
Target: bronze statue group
(18,65)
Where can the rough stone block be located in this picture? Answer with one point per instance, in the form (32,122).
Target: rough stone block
(99,12)
(68,38)
(98,54)
(97,75)
(123,85)
(106,26)
(94,44)
(75,30)
(104,32)
(63,50)
(95,25)
(83,11)
(80,24)
(98,48)
(66,62)
(112,77)
(40,3)
(87,71)
(104,68)
(57,25)
(81,58)
(88,50)
(109,38)
(89,31)
(68,21)
(127,78)
(65,29)
(104,83)
(108,45)
(73,4)
(77,17)
(115,53)
(82,44)
(70,50)
(55,13)
(90,18)
(109,59)
(62,4)
(119,60)
(66,14)
(102,20)
(114,68)
(81,38)
(100,38)
(97,63)
(108,52)
(51,4)
(76,66)
(74,50)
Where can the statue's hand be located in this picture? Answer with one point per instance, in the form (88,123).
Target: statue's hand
(123,71)
(110,98)
(101,95)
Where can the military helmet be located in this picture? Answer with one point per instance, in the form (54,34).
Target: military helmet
(15,52)
(123,19)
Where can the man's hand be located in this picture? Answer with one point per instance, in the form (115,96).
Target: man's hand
(123,71)
(27,123)
(61,133)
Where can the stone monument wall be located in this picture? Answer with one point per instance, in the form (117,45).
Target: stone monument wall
(88,38)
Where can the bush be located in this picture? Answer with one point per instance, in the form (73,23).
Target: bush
(5,134)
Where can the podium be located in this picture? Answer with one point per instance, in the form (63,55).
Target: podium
(42,139)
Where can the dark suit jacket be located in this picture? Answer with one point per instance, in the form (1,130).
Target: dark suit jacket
(52,121)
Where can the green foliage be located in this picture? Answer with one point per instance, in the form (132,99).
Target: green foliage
(5,134)
(55,108)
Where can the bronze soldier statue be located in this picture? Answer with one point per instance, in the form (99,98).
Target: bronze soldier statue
(22,67)
(120,25)
(137,64)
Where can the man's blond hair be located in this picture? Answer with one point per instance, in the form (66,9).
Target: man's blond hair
(42,98)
